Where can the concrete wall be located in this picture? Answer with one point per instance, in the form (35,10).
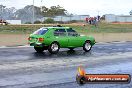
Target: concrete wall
(14,21)
(68,18)
(118,18)
(110,17)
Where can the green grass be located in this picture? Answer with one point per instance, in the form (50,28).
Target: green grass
(101,28)
(105,28)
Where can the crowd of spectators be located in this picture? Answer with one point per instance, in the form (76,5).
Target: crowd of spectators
(93,20)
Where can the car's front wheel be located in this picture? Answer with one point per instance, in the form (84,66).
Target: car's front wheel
(54,48)
(87,46)
(39,49)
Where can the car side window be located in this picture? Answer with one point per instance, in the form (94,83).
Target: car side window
(60,32)
(71,32)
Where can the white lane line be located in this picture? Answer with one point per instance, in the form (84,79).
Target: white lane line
(25,46)
(16,46)
(113,42)
(3,47)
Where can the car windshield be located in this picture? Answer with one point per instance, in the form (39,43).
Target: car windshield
(40,31)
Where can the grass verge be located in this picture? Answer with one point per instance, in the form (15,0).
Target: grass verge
(101,28)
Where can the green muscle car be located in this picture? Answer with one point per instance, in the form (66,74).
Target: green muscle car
(54,38)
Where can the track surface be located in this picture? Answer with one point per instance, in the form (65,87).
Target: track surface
(22,67)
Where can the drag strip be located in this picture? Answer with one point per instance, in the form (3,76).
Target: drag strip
(22,67)
(28,53)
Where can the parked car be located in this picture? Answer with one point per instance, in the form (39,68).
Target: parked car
(3,22)
(54,38)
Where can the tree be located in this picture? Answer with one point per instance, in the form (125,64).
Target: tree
(102,18)
(7,13)
(37,22)
(26,13)
(2,10)
(49,20)
(53,11)
(44,11)
(130,12)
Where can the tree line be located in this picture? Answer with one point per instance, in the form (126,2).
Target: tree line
(26,14)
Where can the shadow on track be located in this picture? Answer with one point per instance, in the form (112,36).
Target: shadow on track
(61,54)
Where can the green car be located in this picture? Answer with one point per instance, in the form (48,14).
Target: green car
(54,38)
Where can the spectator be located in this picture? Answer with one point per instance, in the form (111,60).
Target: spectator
(86,19)
(98,18)
(90,20)
(95,21)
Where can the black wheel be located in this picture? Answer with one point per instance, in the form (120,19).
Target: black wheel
(39,49)
(54,48)
(87,46)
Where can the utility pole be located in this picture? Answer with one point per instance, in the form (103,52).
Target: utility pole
(33,13)
(41,10)
(41,5)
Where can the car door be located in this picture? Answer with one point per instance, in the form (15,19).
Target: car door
(74,40)
(61,36)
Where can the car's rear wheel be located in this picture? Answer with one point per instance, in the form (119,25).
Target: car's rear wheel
(54,48)
(39,49)
(87,46)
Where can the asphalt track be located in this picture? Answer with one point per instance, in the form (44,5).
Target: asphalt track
(22,67)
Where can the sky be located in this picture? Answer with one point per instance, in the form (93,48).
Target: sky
(79,7)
